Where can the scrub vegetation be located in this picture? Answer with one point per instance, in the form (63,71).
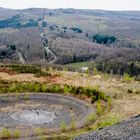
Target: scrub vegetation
(105,92)
(92,55)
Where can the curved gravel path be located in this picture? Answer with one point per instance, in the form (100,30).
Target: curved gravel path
(43,110)
(21,58)
(125,130)
(48,50)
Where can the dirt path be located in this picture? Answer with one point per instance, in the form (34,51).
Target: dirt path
(21,58)
(49,51)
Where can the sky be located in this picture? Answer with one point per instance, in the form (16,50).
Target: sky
(77,4)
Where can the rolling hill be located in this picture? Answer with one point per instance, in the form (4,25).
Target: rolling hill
(109,38)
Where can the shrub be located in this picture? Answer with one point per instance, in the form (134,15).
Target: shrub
(38,131)
(108,120)
(91,118)
(130,91)
(127,78)
(109,101)
(16,134)
(56,89)
(99,108)
(12,87)
(31,87)
(26,96)
(73,124)
(137,92)
(36,88)
(63,126)
(5,134)
(18,87)
(66,90)
(95,71)
(44,88)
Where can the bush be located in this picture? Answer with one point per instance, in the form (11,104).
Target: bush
(17,87)
(130,91)
(91,118)
(5,134)
(16,134)
(66,90)
(95,71)
(12,87)
(63,126)
(73,124)
(38,131)
(37,88)
(99,108)
(108,120)
(44,88)
(127,78)
(26,96)
(137,92)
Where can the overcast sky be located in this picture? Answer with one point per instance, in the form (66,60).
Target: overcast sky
(79,4)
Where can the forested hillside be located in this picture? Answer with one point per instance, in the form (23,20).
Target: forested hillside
(110,39)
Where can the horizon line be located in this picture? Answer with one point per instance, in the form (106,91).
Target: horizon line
(117,10)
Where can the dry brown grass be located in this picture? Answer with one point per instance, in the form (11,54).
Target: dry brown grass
(127,107)
(124,104)
(6,70)
(21,77)
(8,75)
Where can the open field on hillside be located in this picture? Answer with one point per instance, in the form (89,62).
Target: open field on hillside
(125,95)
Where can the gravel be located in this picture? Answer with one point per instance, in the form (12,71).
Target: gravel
(125,130)
(41,110)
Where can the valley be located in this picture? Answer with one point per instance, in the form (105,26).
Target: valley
(55,36)
(69,74)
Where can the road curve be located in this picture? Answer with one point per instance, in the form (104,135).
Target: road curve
(21,58)
(49,51)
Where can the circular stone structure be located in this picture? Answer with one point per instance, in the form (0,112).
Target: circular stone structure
(41,110)
(34,116)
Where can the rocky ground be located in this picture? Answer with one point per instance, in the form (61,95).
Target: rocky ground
(41,110)
(125,130)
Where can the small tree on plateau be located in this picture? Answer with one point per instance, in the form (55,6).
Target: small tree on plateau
(12,47)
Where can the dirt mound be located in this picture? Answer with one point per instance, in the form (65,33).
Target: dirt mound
(125,130)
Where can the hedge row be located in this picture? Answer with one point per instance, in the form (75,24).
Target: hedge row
(16,87)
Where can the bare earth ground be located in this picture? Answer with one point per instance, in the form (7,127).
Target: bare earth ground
(20,77)
(125,104)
